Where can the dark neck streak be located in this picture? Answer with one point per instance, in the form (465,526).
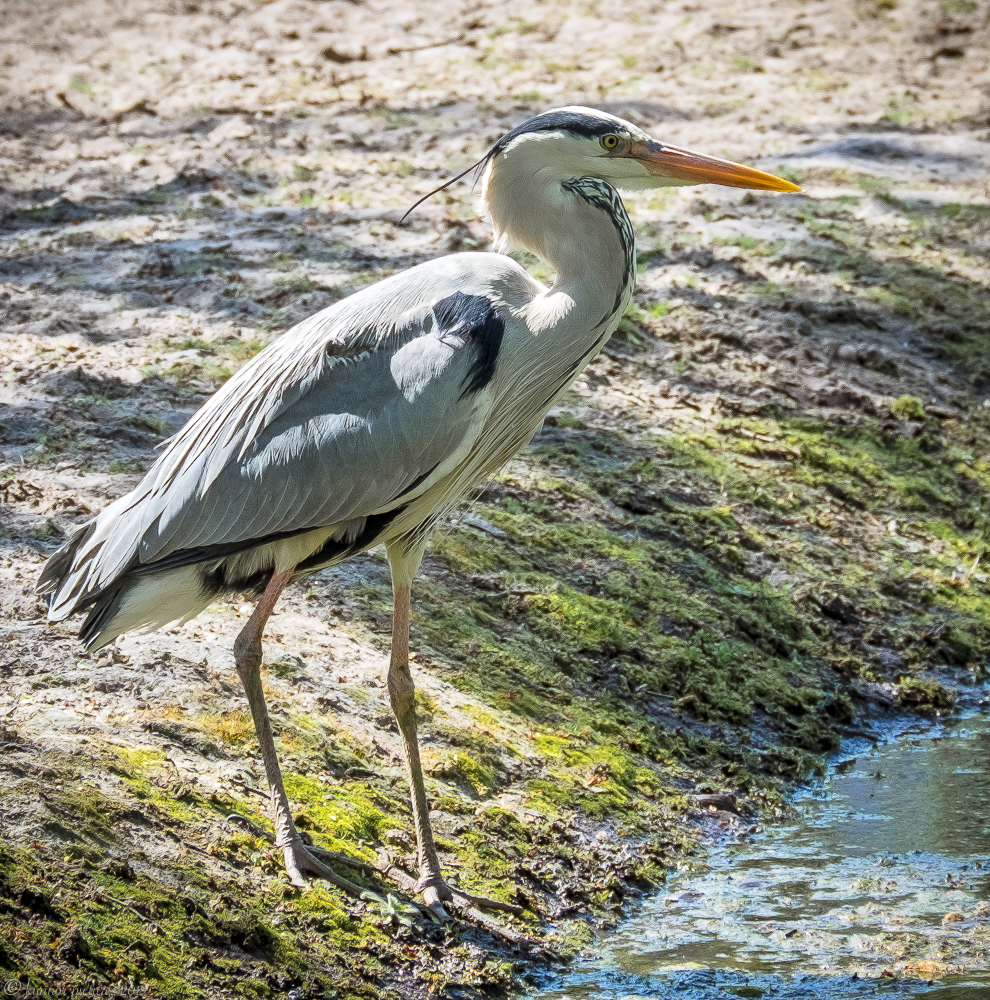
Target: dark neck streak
(601,195)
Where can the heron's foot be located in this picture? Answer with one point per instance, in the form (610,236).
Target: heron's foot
(436,892)
(300,861)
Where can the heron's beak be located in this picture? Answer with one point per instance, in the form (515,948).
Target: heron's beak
(696,168)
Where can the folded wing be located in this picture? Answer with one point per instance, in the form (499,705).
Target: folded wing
(344,417)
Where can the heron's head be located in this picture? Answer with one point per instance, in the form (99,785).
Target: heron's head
(581,142)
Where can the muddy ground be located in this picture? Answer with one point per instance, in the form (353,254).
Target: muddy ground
(758,520)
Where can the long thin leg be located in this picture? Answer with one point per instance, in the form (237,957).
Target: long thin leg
(402,693)
(247,657)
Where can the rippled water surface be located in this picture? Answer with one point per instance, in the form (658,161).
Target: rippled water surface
(885,870)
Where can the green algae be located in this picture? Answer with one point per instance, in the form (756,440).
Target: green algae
(623,641)
(99,912)
(342,816)
(75,912)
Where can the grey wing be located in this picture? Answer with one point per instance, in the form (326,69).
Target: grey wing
(345,416)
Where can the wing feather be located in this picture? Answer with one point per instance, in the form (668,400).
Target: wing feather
(330,423)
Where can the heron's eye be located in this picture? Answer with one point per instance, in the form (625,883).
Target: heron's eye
(610,141)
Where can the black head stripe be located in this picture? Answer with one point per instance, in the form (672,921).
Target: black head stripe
(586,126)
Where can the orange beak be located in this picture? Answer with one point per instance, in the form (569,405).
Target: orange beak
(695,168)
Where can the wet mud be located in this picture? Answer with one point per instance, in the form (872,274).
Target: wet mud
(879,874)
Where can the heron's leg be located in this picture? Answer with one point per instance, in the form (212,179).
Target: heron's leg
(402,693)
(247,657)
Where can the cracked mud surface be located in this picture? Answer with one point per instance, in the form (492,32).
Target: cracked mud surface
(757,522)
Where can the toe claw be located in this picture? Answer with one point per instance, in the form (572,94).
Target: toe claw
(468,901)
(432,896)
(435,889)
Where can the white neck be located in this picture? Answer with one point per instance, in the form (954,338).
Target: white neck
(581,229)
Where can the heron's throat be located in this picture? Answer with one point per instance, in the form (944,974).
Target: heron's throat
(578,225)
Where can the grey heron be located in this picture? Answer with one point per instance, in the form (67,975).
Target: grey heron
(368,422)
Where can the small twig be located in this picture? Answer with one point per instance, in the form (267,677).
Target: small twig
(343,859)
(248,788)
(254,828)
(972,569)
(126,906)
(394,51)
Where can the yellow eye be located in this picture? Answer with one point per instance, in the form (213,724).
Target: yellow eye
(610,141)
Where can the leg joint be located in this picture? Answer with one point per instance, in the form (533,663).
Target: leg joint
(402,692)
(247,654)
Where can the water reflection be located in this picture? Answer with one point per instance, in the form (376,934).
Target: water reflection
(885,870)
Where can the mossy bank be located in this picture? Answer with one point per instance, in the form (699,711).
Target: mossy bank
(623,622)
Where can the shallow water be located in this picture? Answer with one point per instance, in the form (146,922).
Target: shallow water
(856,885)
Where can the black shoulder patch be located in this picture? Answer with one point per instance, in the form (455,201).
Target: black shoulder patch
(587,126)
(474,318)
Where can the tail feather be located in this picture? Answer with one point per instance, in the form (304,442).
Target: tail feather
(144,603)
(128,601)
(98,570)
(59,565)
